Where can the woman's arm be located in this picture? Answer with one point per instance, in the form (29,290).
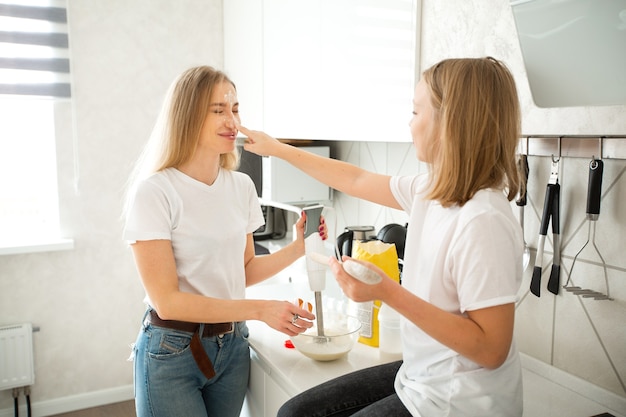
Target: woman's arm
(260,268)
(157,270)
(339,175)
(484,336)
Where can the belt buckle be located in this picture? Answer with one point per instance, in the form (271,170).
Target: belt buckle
(232,328)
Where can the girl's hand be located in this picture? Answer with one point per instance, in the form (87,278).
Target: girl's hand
(259,142)
(287,318)
(353,288)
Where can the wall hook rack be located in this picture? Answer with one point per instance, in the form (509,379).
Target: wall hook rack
(556,147)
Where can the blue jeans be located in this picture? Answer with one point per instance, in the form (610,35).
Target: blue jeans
(168,382)
(365,393)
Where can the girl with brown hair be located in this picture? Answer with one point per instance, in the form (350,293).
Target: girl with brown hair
(462,259)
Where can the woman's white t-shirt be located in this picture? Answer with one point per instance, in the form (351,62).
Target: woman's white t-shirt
(459,259)
(207,226)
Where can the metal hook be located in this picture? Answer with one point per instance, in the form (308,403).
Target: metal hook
(523,146)
(594,162)
(557,159)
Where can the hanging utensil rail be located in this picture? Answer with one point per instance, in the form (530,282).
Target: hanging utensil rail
(603,147)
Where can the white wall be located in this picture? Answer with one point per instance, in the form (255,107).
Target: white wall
(88,301)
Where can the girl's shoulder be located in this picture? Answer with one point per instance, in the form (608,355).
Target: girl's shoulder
(486,206)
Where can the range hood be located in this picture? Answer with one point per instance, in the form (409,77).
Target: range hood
(574,51)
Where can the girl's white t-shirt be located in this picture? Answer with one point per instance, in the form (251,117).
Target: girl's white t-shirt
(459,259)
(207,226)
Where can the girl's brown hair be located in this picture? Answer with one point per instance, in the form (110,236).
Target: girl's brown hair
(477,126)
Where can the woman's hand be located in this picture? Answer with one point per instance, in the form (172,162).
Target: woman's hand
(322,228)
(287,318)
(259,142)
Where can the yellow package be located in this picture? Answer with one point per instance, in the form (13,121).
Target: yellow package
(385,256)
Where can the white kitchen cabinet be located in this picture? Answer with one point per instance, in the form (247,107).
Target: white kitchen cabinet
(324,69)
(264,396)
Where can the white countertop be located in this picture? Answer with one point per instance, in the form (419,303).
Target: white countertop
(290,369)
(547,390)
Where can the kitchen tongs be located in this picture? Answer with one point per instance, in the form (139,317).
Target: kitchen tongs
(550,212)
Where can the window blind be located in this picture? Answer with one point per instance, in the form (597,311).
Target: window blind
(34,48)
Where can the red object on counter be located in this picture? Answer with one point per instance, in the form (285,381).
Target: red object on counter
(289,344)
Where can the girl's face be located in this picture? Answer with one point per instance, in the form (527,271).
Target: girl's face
(421,123)
(220,125)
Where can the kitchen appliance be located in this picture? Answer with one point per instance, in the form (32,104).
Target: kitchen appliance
(573,51)
(276,181)
(252,165)
(396,234)
(352,233)
(275,226)
(313,245)
(334,336)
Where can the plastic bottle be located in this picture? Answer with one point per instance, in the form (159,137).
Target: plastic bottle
(390,342)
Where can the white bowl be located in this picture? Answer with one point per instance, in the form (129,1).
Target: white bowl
(340,334)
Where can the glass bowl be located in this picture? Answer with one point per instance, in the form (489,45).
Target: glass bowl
(340,334)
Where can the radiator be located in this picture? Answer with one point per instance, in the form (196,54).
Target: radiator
(16,356)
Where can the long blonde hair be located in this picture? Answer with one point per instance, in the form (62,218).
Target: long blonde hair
(478,123)
(176,133)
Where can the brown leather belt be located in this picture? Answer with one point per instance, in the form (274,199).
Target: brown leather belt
(210,329)
(197,350)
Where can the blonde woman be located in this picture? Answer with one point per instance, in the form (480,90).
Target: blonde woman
(189,219)
(462,259)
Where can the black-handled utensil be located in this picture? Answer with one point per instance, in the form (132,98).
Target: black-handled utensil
(551,207)
(594,189)
(594,194)
(555,274)
(524,170)
(521,202)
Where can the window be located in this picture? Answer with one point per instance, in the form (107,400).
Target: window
(34,76)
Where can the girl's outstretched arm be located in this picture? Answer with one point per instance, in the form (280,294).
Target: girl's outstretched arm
(339,175)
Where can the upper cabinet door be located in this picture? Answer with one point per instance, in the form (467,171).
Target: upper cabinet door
(324,69)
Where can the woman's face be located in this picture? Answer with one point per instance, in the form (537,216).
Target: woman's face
(421,123)
(219,130)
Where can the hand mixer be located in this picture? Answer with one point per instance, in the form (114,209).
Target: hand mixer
(316,263)
(317,272)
